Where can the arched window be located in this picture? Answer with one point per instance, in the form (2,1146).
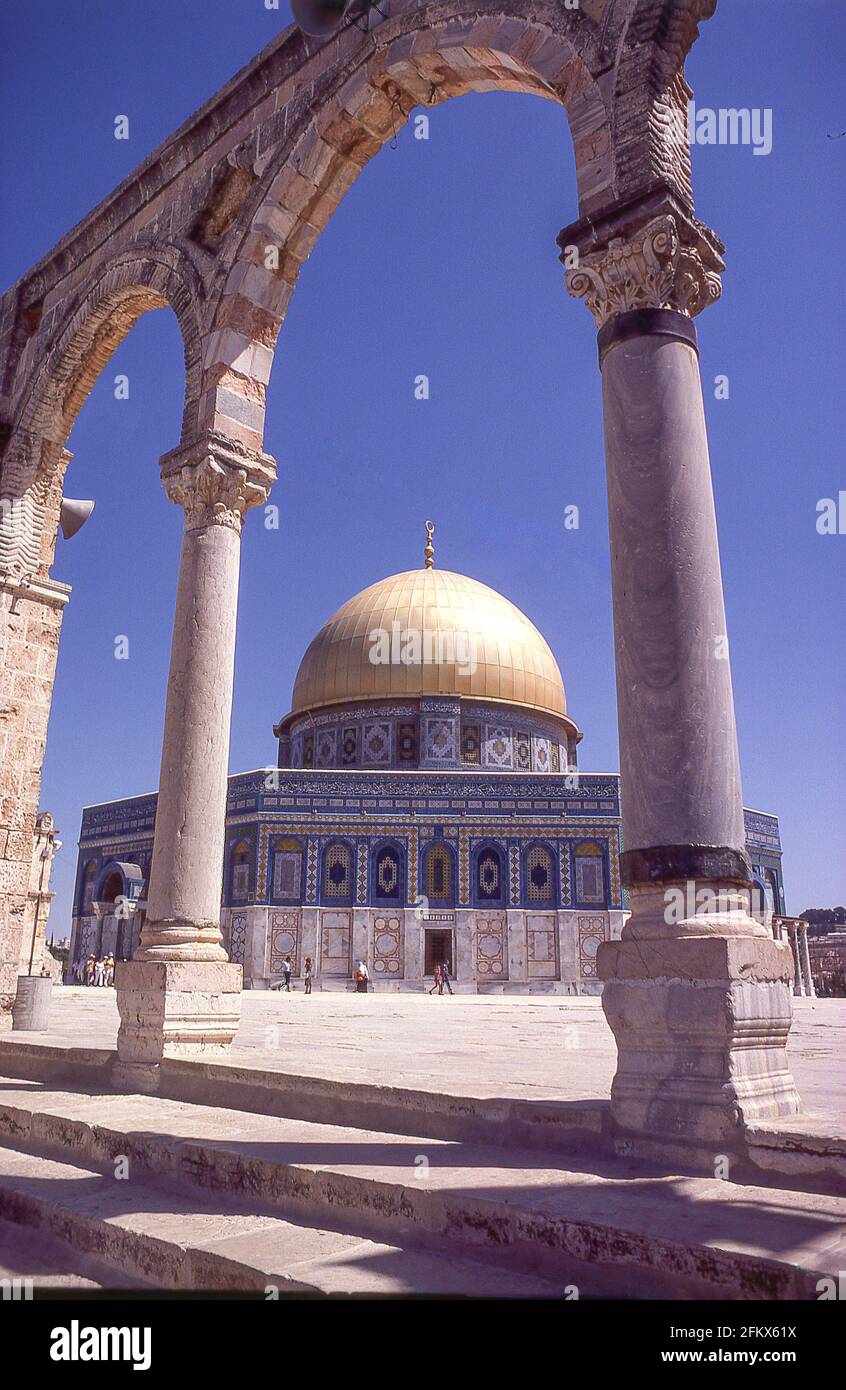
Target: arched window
(438,876)
(540,875)
(490,879)
(287,871)
(86,887)
(239,880)
(387,875)
(112,887)
(590,873)
(337,873)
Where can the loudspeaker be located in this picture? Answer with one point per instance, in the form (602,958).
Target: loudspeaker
(73,515)
(320,18)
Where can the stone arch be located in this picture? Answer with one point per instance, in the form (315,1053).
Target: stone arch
(60,365)
(429,55)
(92,324)
(649,110)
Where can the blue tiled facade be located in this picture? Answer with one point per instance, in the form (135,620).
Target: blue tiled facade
(361,821)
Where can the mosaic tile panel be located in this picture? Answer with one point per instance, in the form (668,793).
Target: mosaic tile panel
(349,746)
(236,938)
(491,954)
(326,748)
(376,743)
(523,752)
(464,867)
(541,945)
(441,740)
(541,758)
(387,947)
(499,750)
(311,872)
(407,744)
(514,875)
(335,943)
(284,933)
(361,873)
(592,930)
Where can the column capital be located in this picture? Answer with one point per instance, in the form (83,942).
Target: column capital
(650,255)
(216,481)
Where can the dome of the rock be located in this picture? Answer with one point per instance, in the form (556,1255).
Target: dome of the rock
(429,632)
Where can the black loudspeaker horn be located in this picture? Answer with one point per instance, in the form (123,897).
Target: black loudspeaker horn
(73,515)
(320,18)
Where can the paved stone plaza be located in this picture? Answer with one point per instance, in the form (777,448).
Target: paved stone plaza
(315,1185)
(481,1045)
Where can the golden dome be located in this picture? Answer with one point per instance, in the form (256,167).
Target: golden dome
(469,641)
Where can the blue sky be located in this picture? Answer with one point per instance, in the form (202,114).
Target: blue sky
(442,260)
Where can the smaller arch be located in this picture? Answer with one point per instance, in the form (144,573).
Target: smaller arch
(540,875)
(287,869)
(438,874)
(59,367)
(388,873)
(489,876)
(118,879)
(337,884)
(590,874)
(85,893)
(240,863)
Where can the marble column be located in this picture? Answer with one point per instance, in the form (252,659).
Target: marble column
(696,991)
(805,955)
(798,974)
(179,995)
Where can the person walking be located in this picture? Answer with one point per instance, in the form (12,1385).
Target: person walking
(361,978)
(438,981)
(89,971)
(98,971)
(445,976)
(286,973)
(308,971)
(109,971)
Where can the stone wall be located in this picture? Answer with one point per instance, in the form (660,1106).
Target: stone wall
(493,952)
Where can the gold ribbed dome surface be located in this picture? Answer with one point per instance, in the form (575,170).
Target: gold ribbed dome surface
(501,655)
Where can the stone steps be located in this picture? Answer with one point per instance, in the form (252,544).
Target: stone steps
(33,1259)
(609,1227)
(148,1234)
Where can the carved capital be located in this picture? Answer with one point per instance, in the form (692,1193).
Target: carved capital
(215,481)
(651,268)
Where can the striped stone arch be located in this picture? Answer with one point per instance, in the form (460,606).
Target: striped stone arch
(61,362)
(316,133)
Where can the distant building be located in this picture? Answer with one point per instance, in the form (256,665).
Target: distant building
(828,962)
(423,811)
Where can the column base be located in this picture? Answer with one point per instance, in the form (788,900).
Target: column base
(173,1009)
(701,1024)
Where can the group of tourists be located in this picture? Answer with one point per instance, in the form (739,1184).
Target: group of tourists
(361,977)
(94,971)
